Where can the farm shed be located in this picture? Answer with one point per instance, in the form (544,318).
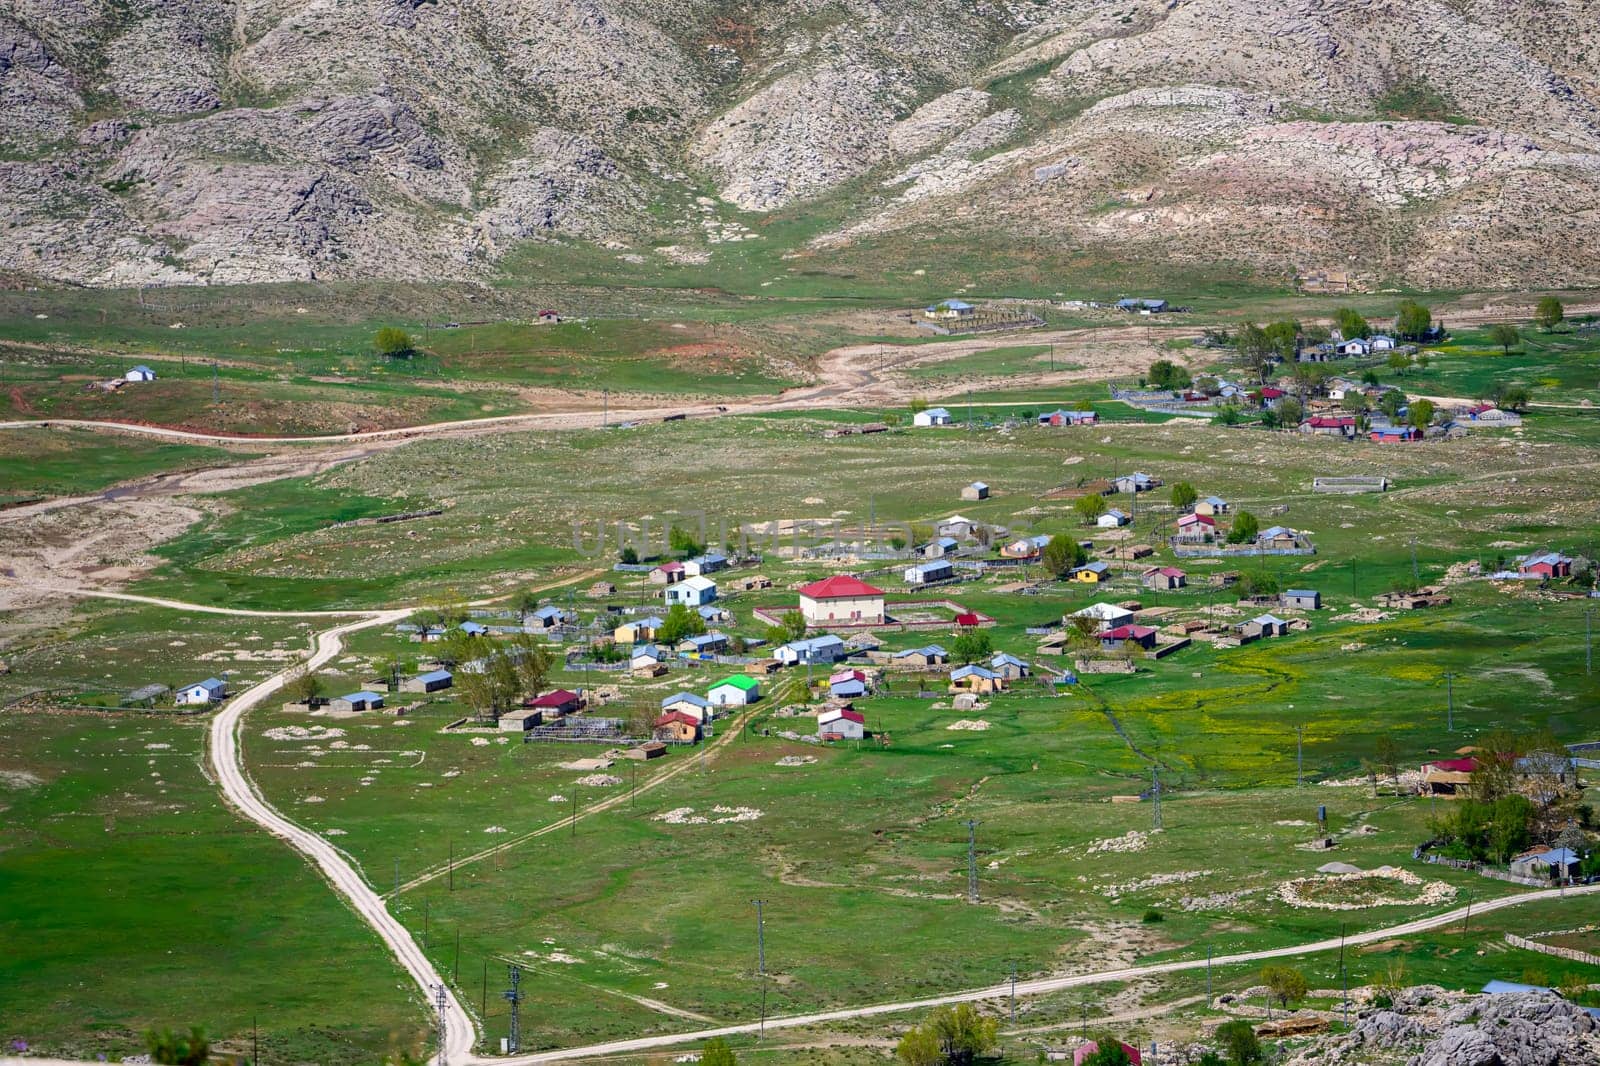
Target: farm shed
(520,721)
(201,692)
(841,724)
(365,700)
(432,681)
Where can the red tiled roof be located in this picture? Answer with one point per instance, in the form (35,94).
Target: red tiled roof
(1191,519)
(559,698)
(672,717)
(1272,394)
(1329,422)
(1127,633)
(1456,766)
(967,619)
(840,586)
(671,567)
(854,716)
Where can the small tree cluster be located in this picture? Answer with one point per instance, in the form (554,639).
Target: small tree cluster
(952,1036)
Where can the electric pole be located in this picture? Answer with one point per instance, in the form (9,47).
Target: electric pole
(513,996)
(761,936)
(1299,756)
(216,388)
(605,408)
(972,861)
(1415,574)
(1449,702)
(1155,794)
(1013,993)
(451,866)
(441,1001)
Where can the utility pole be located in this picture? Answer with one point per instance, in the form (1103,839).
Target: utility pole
(969,410)
(1449,702)
(972,861)
(761,961)
(1013,993)
(1344,975)
(1299,756)
(216,388)
(1415,574)
(397,881)
(425,908)
(574,821)
(513,996)
(1155,794)
(441,1001)
(1588,640)
(455,966)
(605,408)
(451,866)
(1208,973)
(255,1040)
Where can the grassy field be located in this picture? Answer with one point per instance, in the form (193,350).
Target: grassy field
(134,899)
(72,462)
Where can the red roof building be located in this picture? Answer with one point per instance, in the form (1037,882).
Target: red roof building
(1089,1047)
(1455,766)
(967,620)
(841,600)
(559,700)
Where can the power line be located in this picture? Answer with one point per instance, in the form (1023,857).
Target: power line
(441,1001)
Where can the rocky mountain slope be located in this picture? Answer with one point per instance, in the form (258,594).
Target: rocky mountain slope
(1431,142)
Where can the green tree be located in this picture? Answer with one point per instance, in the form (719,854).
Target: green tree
(1351,324)
(1239,1039)
(1165,374)
(178,1049)
(1391,402)
(1413,320)
(1228,414)
(1549,313)
(1354,402)
(1062,555)
(628,556)
(305,687)
(963,1033)
(680,624)
(1283,339)
(717,1053)
(1108,1051)
(971,645)
(795,623)
(1510,397)
(1286,984)
(777,635)
(1090,507)
(917,405)
(532,661)
(1505,335)
(1369,377)
(1421,413)
(1289,412)
(1399,361)
(920,1047)
(1245,528)
(1184,495)
(392,342)
(1255,349)
(682,542)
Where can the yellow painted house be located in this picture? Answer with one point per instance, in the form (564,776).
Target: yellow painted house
(1092,574)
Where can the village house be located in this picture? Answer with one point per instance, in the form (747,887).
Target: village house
(1545,565)
(978,490)
(1263,625)
(1394,434)
(714,613)
(675,727)
(648,660)
(1212,506)
(956,526)
(824,649)
(1142,306)
(735,691)
(1063,417)
(1546,863)
(1026,547)
(1009,666)
(1091,573)
(1278,537)
(523,721)
(1381,343)
(847,685)
(553,704)
(753,583)
(546,618)
(701,565)
(703,644)
(938,547)
(974,678)
(691,592)
(1089,1047)
(549,317)
(1426,596)
(1136,482)
(842,723)
(140,373)
(1300,600)
(365,700)
(1270,396)
(1355,346)
(432,681)
(1163,578)
(1114,518)
(473,629)
(1330,426)
(668,573)
(1121,636)
(601,590)
(639,629)
(949,311)
(1109,615)
(1196,528)
(930,655)
(1488,414)
(841,599)
(200,693)
(933,416)
(696,707)
(927,572)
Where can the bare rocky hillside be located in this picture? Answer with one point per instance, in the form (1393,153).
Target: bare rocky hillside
(1432,142)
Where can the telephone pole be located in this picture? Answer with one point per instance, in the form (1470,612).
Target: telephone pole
(761,936)
(216,389)
(1013,993)
(972,861)
(1299,756)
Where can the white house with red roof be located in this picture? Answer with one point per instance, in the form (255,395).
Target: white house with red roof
(842,724)
(841,600)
